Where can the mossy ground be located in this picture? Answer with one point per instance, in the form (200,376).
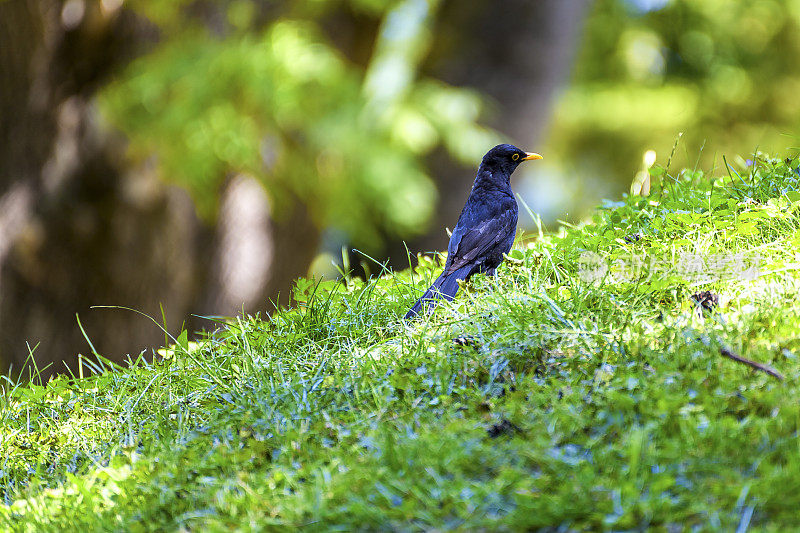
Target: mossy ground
(583,388)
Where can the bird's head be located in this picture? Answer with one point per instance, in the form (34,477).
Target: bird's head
(506,158)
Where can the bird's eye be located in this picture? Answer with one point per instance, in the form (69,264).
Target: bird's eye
(515,157)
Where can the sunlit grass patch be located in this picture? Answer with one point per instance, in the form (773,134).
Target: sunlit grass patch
(547,396)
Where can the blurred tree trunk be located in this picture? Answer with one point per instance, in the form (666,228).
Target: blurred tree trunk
(518,53)
(78,228)
(256,257)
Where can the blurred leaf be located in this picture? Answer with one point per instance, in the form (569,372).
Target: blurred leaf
(723,71)
(272,97)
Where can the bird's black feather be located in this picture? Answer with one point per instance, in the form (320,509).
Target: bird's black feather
(485,229)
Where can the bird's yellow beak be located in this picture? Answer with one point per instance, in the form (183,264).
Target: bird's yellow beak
(531,156)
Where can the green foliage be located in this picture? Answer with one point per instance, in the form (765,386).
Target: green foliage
(724,72)
(541,398)
(270,95)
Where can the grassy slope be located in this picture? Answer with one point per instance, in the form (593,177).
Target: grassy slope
(562,402)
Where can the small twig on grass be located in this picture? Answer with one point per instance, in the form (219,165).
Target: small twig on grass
(758,366)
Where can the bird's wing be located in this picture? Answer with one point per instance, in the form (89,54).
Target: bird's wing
(481,239)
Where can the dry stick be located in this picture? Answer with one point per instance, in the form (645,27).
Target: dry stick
(758,366)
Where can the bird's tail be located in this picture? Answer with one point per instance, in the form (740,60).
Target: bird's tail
(445,287)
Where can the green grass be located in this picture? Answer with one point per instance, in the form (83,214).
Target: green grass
(557,395)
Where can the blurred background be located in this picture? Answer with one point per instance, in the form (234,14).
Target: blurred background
(193,157)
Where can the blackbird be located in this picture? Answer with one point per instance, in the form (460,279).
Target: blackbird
(485,229)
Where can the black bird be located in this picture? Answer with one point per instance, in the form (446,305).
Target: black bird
(485,229)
